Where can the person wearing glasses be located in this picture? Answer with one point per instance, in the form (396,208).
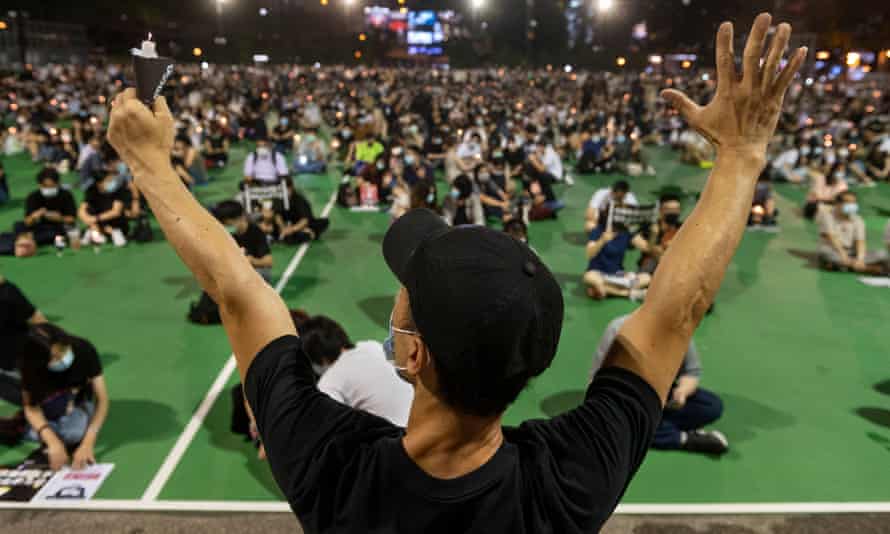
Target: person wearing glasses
(477,316)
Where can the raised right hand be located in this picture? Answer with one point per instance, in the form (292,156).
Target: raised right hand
(744,112)
(142,137)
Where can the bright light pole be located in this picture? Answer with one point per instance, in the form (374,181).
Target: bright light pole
(477,4)
(604,5)
(219,8)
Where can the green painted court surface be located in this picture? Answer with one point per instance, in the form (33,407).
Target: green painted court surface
(796,354)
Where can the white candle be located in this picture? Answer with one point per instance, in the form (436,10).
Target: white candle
(148,49)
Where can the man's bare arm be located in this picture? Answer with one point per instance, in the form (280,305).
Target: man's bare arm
(739,122)
(253,314)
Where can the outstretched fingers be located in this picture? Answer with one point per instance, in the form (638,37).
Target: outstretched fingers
(751,74)
(777,50)
(726,75)
(787,75)
(687,108)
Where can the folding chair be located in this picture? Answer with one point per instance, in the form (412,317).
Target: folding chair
(254,194)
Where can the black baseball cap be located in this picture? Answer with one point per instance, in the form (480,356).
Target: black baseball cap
(476,293)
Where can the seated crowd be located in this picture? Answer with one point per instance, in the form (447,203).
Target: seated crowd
(483,147)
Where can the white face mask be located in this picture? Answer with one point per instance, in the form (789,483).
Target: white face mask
(49,192)
(262,152)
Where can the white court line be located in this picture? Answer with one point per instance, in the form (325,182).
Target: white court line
(191,430)
(623,509)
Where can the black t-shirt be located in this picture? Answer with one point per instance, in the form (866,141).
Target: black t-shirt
(15,310)
(100,201)
(344,470)
(62,203)
(254,241)
(75,379)
(299,209)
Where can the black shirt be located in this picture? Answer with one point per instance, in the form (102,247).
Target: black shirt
(76,379)
(99,202)
(63,203)
(15,310)
(344,470)
(299,209)
(254,241)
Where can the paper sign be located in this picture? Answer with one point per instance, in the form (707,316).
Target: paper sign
(875,281)
(69,485)
(21,483)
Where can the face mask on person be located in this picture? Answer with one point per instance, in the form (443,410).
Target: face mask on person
(112,185)
(319,369)
(620,139)
(409,160)
(430,198)
(284,121)
(381,166)
(484,177)
(63,364)
(49,192)
(347,133)
(231,228)
(850,208)
(839,175)
(263,152)
(455,194)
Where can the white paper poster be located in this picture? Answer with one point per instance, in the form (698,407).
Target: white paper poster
(69,485)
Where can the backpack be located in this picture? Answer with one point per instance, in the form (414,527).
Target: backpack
(205,311)
(142,232)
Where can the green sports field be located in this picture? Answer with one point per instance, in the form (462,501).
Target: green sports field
(799,356)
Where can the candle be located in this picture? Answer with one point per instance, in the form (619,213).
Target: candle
(148,49)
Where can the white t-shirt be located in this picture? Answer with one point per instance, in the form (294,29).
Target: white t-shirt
(787,158)
(363,379)
(600,200)
(469,149)
(552,162)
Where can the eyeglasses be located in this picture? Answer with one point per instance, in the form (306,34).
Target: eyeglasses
(401,330)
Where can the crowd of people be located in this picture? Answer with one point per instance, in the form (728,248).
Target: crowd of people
(484,147)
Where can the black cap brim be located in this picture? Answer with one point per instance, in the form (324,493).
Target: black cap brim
(406,235)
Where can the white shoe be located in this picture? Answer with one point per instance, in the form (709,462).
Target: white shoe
(117,237)
(637,295)
(569,180)
(97,237)
(85,240)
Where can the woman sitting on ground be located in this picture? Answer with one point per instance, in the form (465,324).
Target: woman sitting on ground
(64,396)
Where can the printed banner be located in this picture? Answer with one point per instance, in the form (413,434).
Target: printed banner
(70,485)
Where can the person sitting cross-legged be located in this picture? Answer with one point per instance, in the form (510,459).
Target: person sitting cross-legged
(605,276)
(843,248)
(689,408)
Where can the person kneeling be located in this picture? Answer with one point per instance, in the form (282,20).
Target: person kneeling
(689,408)
(64,398)
(605,276)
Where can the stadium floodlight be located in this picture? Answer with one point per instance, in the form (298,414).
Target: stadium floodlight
(655,59)
(853,59)
(604,5)
(477,4)
(264,11)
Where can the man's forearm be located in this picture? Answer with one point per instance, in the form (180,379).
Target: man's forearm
(199,239)
(693,267)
